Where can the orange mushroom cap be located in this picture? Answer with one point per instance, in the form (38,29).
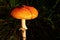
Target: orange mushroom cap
(25,12)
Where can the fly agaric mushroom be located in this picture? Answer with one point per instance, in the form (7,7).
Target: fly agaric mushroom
(24,13)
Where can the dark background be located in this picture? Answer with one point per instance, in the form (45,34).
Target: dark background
(45,27)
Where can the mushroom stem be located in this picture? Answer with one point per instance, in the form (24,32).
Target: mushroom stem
(24,23)
(24,28)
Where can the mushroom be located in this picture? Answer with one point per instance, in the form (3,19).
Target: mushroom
(24,13)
